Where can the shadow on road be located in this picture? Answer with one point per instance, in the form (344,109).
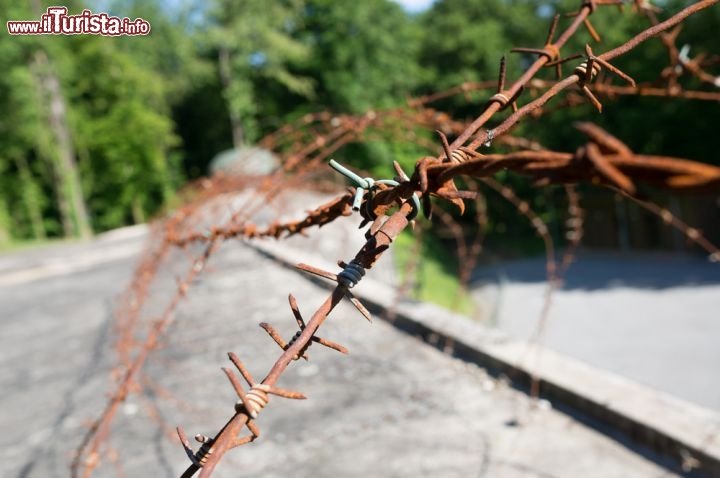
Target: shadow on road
(608,270)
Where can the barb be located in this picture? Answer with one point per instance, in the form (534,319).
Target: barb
(607,154)
(604,160)
(301,323)
(251,405)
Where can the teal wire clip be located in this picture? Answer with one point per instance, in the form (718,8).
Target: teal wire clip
(367,184)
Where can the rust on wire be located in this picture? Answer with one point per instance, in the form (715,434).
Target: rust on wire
(390,206)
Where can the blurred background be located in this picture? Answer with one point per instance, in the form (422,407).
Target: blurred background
(98,132)
(101,132)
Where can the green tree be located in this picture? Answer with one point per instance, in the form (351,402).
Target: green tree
(49,121)
(364,54)
(20,126)
(254,44)
(24,133)
(464,40)
(89,118)
(125,132)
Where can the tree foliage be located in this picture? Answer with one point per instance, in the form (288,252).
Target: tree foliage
(144,114)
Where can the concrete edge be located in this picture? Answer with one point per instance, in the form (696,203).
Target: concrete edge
(114,248)
(677,434)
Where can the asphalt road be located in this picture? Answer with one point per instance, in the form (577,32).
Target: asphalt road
(394,407)
(654,318)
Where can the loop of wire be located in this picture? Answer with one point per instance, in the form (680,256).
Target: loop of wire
(256,399)
(500,98)
(302,351)
(203,453)
(351,275)
(552,52)
(581,69)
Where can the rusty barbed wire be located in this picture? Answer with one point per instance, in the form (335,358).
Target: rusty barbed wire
(248,408)
(87,456)
(691,233)
(468,246)
(303,162)
(574,228)
(604,160)
(379,239)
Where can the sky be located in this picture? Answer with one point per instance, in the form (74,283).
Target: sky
(415,6)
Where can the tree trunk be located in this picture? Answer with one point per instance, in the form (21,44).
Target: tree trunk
(238,133)
(31,197)
(70,198)
(5,236)
(138,213)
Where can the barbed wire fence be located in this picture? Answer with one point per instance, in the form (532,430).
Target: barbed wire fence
(388,206)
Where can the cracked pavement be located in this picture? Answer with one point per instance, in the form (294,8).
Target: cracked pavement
(393,407)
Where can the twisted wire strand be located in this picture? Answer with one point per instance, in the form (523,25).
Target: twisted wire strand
(351,275)
(256,399)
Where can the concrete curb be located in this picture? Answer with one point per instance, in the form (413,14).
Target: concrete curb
(677,434)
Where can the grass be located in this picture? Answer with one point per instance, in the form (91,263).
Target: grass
(436,278)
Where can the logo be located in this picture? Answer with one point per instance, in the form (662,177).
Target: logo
(56,21)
